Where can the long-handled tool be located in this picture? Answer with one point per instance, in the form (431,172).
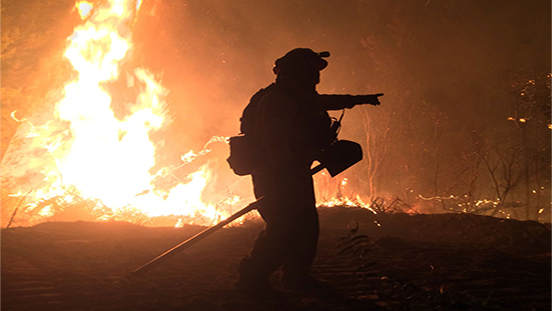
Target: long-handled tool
(342,155)
(193,240)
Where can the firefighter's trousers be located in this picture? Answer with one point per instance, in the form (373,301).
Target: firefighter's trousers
(290,237)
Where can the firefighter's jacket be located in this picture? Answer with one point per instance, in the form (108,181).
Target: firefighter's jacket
(290,126)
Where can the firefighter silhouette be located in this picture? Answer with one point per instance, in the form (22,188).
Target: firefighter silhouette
(289,122)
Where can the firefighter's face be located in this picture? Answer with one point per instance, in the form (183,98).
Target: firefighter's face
(314,77)
(311,70)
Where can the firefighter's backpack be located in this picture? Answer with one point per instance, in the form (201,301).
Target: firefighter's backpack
(244,152)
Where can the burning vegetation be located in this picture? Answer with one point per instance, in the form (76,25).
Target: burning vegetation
(89,161)
(97,142)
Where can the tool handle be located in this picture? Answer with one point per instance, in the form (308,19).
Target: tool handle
(193,240)
(203,234)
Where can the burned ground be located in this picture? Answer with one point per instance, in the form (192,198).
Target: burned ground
(376,262)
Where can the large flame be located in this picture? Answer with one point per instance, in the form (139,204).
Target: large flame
(86,158)
(106,157)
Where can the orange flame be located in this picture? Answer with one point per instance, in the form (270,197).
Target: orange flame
(84,8)
(106,157)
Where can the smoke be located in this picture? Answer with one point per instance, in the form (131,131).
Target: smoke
(446,67)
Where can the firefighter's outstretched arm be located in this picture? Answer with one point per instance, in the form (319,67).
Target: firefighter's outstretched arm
(338,102)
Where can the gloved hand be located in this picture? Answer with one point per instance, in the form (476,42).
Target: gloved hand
(369,99)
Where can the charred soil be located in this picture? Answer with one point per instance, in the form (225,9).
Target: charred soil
(375,262)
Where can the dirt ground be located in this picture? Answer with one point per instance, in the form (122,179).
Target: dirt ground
(375,262)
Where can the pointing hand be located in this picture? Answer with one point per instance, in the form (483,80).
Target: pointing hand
(373,99)
(369,99)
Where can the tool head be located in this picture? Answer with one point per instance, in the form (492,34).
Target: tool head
(340,155)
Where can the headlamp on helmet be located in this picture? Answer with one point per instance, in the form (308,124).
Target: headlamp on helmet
(301,59)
